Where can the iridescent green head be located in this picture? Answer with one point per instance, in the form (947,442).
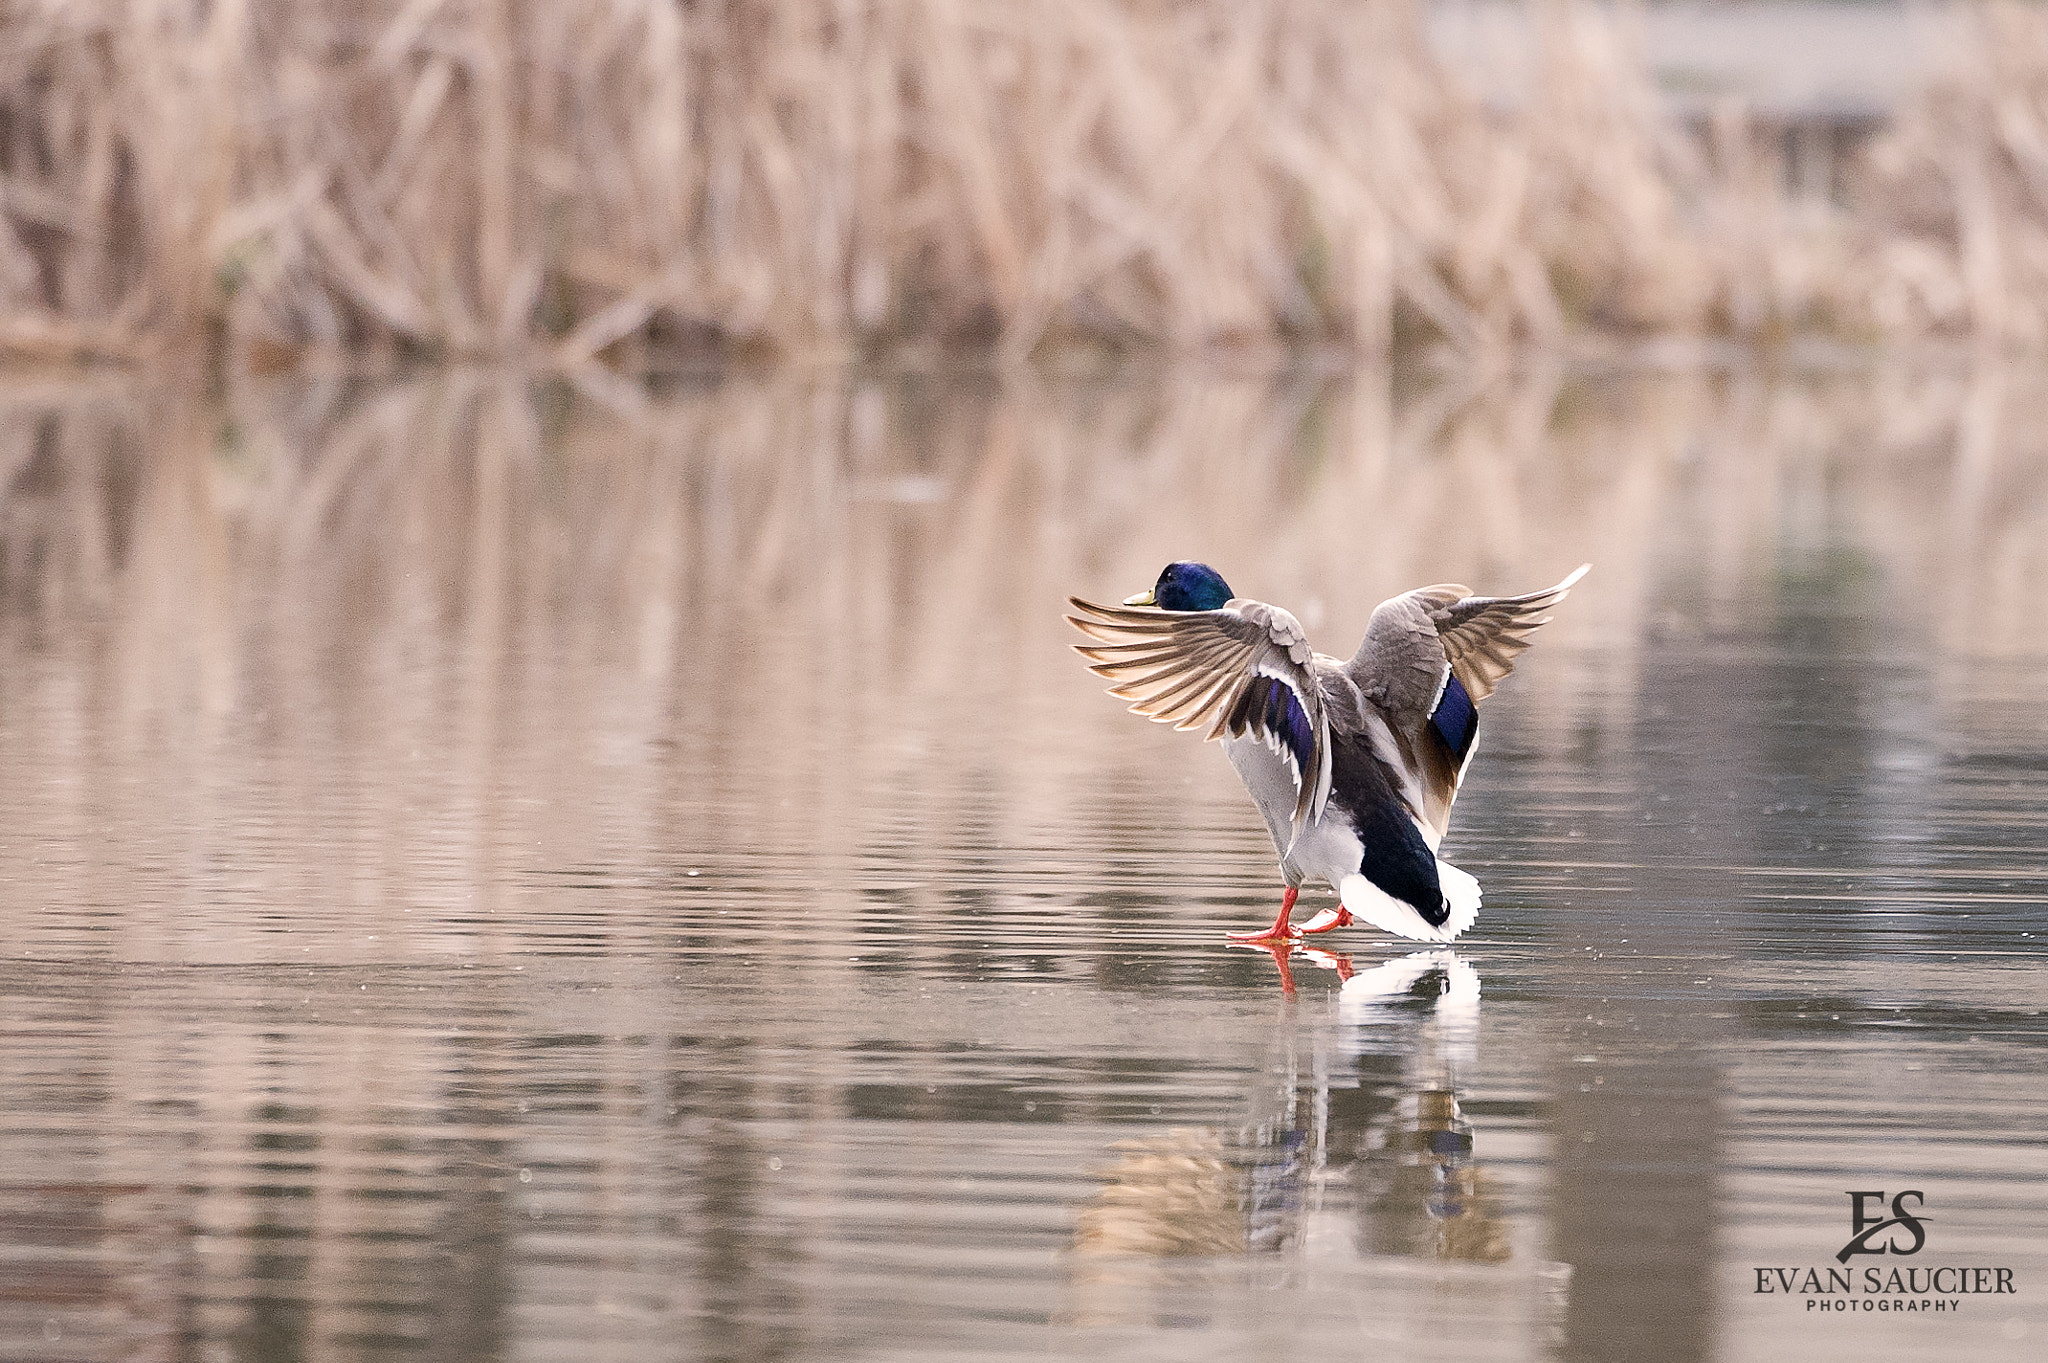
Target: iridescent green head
(1185,587)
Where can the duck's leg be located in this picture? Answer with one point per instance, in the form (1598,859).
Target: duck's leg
(1339,917)
(1282,930)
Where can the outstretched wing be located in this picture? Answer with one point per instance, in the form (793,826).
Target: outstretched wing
(1429,657)
(1482,634)
(1241,670)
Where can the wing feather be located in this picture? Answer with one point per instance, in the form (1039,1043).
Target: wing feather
(1483,635)
(1191,668)
(1416,643)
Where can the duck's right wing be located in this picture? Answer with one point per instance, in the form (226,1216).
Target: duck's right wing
(1416,638)
(1243,670)
(1429,657)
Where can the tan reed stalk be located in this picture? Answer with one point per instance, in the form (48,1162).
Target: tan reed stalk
(567,178)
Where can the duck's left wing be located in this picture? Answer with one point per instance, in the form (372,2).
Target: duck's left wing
(1244,669)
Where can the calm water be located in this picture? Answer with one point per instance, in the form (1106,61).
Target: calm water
(636,873)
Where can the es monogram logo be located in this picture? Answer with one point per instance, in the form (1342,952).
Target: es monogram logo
(1902,1289)
(1866,1226)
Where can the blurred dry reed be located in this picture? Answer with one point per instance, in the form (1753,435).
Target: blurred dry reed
(641,177)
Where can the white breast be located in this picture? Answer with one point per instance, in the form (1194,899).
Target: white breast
(1326,851)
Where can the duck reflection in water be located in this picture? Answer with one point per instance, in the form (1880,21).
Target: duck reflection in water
(1357,1123)
(1404,1139)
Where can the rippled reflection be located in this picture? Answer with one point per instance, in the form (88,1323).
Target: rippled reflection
(1353,1153)
(1415,1153)
(1382,1125)
(619,871)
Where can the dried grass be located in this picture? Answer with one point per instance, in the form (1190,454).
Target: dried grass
(509,176)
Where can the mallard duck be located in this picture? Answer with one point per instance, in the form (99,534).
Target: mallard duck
(1354,765)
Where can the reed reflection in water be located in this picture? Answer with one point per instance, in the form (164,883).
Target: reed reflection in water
(626,871)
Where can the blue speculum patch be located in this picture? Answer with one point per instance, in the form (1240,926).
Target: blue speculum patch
(1456,719)
(1270,706)
(1285,717)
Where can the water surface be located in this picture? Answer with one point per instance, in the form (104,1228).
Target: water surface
(506,870)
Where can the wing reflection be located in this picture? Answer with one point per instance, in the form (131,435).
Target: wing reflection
(1177,1193)
(1355,1137)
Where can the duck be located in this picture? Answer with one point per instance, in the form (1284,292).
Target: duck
(1353,764)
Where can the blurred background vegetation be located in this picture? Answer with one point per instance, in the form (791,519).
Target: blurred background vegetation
(658,182)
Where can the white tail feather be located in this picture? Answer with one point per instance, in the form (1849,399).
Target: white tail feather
(1369,902)
(1463,893)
